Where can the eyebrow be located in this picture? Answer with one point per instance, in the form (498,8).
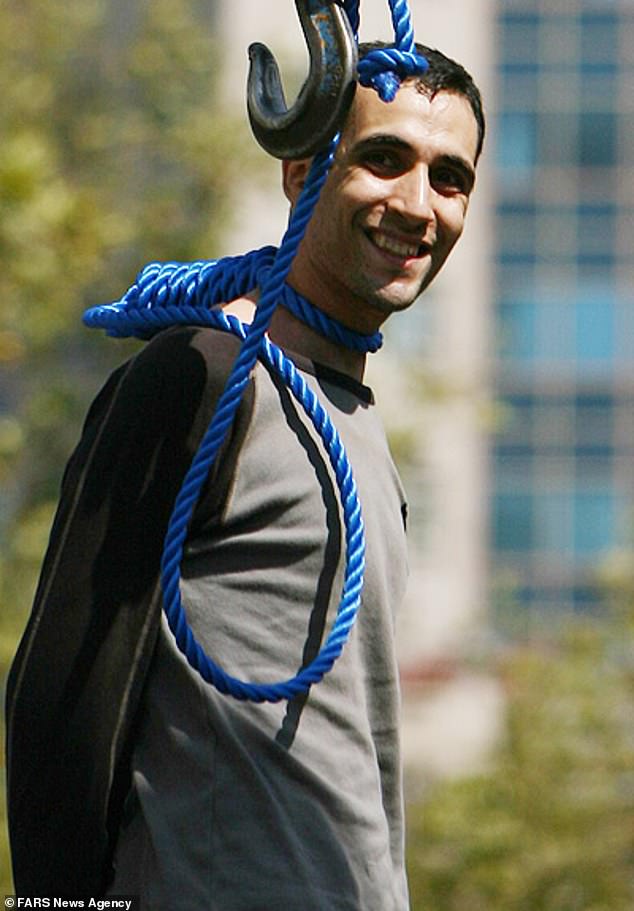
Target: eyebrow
(381,139)
(388,139)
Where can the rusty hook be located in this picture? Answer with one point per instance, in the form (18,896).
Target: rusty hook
(325,97)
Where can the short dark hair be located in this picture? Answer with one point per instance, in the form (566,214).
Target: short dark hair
(443,74)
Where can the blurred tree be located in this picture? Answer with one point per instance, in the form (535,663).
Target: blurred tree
(114,152)
(551,826)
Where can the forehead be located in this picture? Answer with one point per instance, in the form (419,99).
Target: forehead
(422,121)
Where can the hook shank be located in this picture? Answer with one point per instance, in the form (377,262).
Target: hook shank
(325,97)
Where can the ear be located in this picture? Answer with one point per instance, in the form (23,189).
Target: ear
(294,174)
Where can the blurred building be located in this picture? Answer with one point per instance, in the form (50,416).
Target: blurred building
(563,477)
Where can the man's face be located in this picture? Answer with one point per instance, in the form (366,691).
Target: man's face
(393,205)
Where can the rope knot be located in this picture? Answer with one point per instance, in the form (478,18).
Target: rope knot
(385,69)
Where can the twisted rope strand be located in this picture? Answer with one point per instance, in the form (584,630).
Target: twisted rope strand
(384,70)
(355,560)
(166,286)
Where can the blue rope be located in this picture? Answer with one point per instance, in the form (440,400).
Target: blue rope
(169,290)
(354,551)
(212,440)
(384,70)
(171,293)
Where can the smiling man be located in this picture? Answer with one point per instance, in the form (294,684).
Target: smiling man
(127,773)
(393,207)
(394,204)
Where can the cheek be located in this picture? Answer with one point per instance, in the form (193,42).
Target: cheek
(451,215)
(360,189)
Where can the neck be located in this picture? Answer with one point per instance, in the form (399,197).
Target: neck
(291,334)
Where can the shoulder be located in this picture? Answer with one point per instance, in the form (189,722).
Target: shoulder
(179,371)
(185,353)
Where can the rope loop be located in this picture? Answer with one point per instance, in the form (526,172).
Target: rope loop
(354,550)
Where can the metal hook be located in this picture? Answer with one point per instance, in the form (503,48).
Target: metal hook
(325,97)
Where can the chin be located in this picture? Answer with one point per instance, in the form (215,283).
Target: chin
(386,305)
(394,299)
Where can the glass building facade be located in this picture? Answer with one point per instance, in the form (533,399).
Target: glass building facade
(563,459)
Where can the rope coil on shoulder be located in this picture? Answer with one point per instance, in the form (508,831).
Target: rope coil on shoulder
(167,294)
(175,292)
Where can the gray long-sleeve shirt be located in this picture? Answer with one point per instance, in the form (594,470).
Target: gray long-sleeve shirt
(245,807)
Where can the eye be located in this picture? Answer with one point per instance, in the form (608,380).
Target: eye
(450,180)
(383,162)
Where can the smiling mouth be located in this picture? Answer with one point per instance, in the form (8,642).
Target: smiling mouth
(397,247)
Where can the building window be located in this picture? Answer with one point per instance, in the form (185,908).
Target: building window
(595,336)
(516,143)
(513,521)
(520,85)
(599,38)
(518,36)
(594,522)
(594,426)
(597,139)
(596,231)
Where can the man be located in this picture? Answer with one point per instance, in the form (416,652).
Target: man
(129,774)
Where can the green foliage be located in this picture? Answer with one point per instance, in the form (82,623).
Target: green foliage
(107,154)
(551,826)
(114,152)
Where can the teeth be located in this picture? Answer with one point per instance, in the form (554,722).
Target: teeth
(395,246)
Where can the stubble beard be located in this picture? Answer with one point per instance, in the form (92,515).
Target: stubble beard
(370,301)
(390,298)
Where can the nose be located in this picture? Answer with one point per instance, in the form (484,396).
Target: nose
(412,196)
